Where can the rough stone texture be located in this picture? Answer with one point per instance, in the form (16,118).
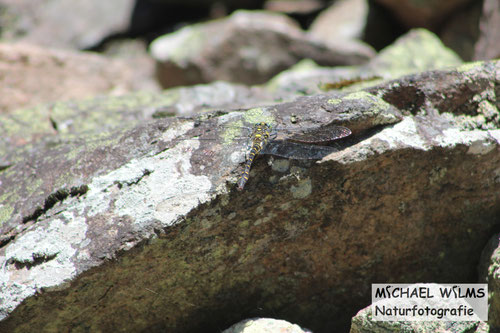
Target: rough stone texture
(123,231)
(85,23)
(113,221)
(30,75)
(418,50)
(247,47)
(428,13)
(489,272)
(265,325)
(23,128)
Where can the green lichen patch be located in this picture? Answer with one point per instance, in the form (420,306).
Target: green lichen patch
(259,115)
(5,213)
(417,51)
(180,45)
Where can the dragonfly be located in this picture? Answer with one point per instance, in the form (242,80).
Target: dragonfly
(297,146)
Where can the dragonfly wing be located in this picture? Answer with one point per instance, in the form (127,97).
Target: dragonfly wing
(324,134)
(297,151)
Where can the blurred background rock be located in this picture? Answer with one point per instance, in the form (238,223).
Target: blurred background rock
(198,42)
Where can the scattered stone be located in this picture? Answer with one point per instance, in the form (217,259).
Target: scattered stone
(418,50)
(343,23)
(134,53)
(64,23)
(403,57)
(31,75)
(247,47)
(265,325)
(293,6)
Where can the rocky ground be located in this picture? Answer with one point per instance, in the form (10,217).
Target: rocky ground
(119,209)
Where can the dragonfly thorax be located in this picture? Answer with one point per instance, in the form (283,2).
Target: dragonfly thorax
(260,135)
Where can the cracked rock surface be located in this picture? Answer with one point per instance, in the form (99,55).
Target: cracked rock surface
(136,225)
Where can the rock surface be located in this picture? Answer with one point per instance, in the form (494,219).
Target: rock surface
(343,20)
(31,75)
(489,272)
(112,220)
(248,47)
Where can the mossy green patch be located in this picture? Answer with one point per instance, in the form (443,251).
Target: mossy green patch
(419,50)
(232,132)
(34,185)
(360,95)
(469,66)
(5,213)
(334,101)
(259,115)
(26,123)
(182,44)
(94,113)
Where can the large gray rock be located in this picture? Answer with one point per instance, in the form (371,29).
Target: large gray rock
(247,47)
(343,23)
(136,225)
(418,50)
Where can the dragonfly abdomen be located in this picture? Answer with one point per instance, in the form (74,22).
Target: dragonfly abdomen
(256,148)
(260,138)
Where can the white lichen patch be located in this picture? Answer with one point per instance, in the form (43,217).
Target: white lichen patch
(280,165)
(40,258)
(479,141)
(404,134)
(144,191)
(302,190)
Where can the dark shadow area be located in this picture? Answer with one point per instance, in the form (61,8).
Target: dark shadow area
(381,28)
